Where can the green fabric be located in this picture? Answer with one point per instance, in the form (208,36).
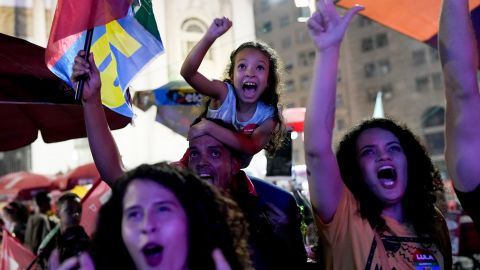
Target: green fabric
(143,12)
(49,237)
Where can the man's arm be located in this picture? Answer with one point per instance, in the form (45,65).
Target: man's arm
(102,144)
(248,144)
(459,58)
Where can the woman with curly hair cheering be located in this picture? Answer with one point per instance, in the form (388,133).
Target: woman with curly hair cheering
(373,200)
(161,217)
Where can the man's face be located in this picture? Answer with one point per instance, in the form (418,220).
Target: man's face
(212,161)
(69,214)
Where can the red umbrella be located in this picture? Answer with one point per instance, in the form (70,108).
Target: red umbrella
(23,185)
(84,174)
(33,99)
(294,118)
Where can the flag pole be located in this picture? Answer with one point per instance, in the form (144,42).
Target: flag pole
(86,48)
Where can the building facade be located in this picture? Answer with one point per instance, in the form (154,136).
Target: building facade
(373,59)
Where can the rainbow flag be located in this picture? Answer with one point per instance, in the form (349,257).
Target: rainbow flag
(125,39)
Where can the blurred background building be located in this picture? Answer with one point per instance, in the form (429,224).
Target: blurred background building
(373,59)
(181,24)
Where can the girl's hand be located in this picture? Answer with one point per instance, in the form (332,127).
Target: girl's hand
(218,27)
(88,71)
(199,129)
(326,27)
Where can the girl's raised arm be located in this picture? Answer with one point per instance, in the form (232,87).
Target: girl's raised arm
(213,88)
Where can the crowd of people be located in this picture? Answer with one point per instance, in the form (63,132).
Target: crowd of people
(373,200)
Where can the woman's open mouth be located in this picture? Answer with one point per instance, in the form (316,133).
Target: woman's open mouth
(153,254)
(387,176)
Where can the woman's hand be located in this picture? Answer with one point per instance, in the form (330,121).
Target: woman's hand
(326,27)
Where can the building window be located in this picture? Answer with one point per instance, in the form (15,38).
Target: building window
(369,70)
(384,67)
(303,102)
(434,57)
(21,22)
(289,86)
(367,44)
(286,42)
(264,5)
(433,121)
(306,59)
(340,124)
(266,27)
(339,101)
(422,83)
(284,21)
(386,89)
(302,37)
(193,30)
(419,57)
(381,40)
(437,81)
(364,21)
(311,56)
(305,82)
(442,167)
(434,116)
(435,142)
(288,67)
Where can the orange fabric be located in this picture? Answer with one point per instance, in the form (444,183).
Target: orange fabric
(418,19)
(347,240)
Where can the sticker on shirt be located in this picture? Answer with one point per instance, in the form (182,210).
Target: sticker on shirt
(249,129)
(424,260)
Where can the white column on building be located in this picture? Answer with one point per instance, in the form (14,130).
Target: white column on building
(39,23)
(243,12)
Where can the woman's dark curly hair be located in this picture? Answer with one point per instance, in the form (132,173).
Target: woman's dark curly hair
(271,95)
(214,220)
(424,180)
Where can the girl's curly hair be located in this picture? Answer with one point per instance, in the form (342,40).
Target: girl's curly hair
(215,221)
(424,180)
(271,95)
